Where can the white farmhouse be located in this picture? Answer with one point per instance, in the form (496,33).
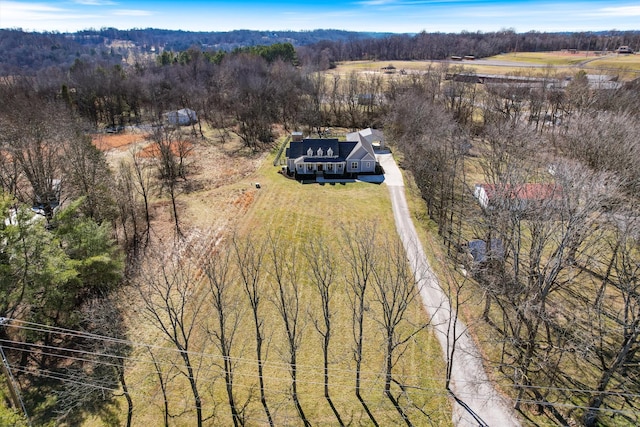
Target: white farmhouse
(330,157)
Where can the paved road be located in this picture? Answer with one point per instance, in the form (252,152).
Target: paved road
(476,403)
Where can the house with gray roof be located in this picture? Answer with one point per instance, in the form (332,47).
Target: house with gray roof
(374,137)
(330,157)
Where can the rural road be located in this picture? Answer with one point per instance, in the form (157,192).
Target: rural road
(477,403)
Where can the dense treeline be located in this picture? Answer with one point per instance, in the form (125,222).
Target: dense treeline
(225,40)
(248,91)
(27,53)
(425,45)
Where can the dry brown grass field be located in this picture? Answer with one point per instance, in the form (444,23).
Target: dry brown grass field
(627,67)
(222,199)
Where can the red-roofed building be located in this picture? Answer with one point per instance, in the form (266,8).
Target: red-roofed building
(517,197)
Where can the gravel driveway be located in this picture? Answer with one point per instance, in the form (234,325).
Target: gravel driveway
(476,402)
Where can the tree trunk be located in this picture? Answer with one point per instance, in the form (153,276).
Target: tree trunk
(125,391)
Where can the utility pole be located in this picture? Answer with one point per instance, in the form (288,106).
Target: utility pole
(11,381)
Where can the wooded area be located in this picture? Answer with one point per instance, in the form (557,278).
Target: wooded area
(556,309)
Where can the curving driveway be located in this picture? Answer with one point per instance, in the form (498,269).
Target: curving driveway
(477,403)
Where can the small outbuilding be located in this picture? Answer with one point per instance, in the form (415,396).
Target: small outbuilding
(521,197)
(182,117)
(481,252)
(625,50)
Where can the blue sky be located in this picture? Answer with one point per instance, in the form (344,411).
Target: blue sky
(397,16)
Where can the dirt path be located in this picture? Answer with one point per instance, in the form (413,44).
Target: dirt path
(477,402)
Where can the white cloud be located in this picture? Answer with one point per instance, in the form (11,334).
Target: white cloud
(12,9)
(622,11)
(132,12)
(377,2)
(17,14)
(95,2)
(409,2)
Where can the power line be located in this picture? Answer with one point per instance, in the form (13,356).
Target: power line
(269,364)
(81,356)
(14,389)
(334,385)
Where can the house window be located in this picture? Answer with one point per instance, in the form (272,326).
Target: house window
(330,167)
(320,153)
(309,167)
(354,165)
(309,152)
(368,165)
(330,152)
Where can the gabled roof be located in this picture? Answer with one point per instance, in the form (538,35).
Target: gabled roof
(529,191)
(341,149)
(368,134)
(182,112)
(356,148)
(299,148)
(346,148)
(362,151)
(365,139)
(478,250)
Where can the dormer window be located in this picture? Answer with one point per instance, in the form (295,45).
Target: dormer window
(320,152)
(309,152)
(330,152)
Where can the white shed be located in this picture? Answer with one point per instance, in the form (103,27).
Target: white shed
(183,117)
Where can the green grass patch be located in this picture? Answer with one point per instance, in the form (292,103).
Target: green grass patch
(299,213)
(543,58)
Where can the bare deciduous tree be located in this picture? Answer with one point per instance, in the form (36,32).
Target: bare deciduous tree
(143,187)
(164,377)
(36,150)
(97,374)
(616,324)
(173,305)
(285,273)
(361,255)
(395,290)
(250,255)
(128,209)
(323,265)
(171,150)
(228,313)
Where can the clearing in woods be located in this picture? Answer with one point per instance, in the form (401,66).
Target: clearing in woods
(221,197)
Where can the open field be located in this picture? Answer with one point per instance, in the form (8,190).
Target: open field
(119,141)
(627,66)
(224,199)
(561,58)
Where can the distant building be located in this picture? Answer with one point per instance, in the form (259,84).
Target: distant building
(389,69)
(521,197)
(481,252)
(596,81)
(625,50)
(183,117)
